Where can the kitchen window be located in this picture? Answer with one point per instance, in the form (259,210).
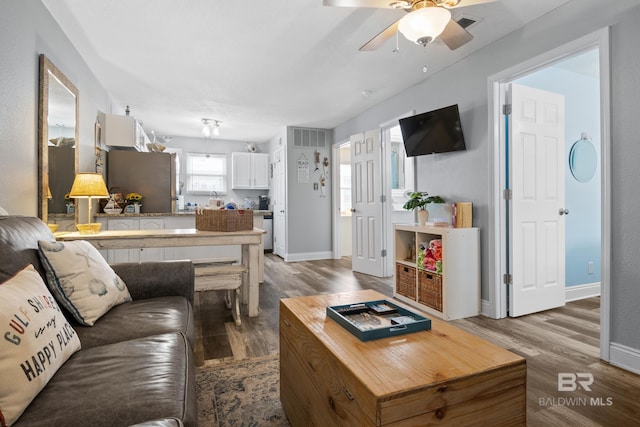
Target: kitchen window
(206,173)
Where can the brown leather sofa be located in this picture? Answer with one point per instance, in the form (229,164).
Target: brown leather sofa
(136,364)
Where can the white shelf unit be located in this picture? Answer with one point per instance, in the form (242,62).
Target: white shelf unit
(460,278)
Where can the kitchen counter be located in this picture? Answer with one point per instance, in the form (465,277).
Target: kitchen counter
(142,241)
(170,220)
(180,213)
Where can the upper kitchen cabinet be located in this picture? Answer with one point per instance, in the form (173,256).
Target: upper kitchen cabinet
(124,132)
(250,171)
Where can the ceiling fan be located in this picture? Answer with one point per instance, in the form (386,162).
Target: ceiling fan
(426,20)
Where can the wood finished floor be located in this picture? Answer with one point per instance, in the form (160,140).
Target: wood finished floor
(560,340)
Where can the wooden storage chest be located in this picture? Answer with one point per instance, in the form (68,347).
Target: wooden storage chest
(444,376)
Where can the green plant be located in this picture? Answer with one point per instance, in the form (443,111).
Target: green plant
(420,199)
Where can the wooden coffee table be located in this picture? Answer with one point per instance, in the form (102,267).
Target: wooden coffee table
(443,376)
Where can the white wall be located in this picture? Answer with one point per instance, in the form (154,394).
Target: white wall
(625,197)
(309,220)
(27,30)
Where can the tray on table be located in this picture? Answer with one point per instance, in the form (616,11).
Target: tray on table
(377,319)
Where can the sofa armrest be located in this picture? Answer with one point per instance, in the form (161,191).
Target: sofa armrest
(158,279)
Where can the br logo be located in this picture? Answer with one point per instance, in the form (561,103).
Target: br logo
(568,381)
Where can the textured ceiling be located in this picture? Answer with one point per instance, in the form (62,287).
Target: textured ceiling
(258,66)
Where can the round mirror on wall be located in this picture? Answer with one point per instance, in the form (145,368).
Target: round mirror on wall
(583,159)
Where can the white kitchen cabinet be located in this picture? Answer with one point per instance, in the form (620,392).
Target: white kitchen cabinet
(133,255)
(124,132)
(250,171)
(151,254)
(455,292)
(194,253)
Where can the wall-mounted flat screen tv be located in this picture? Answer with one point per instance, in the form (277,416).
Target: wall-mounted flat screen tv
(437,131)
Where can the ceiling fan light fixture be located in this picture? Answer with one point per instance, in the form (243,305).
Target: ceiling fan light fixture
(422,26)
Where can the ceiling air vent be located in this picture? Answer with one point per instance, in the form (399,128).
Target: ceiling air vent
(466,22)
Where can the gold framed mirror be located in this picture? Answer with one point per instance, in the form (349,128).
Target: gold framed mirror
(58,144)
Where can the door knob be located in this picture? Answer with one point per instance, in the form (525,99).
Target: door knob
(563,211)
(353,209)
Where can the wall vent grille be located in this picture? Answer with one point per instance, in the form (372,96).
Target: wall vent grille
(314,138)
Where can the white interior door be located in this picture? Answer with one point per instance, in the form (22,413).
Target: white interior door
(537,208)
(366,203)
(278,202)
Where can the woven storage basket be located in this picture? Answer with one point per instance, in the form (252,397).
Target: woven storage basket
(406,280)
(430,289)
(224,219)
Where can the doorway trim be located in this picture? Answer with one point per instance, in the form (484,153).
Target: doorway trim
(335,198)
(496,305)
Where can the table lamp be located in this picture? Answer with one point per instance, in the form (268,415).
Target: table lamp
(85,186)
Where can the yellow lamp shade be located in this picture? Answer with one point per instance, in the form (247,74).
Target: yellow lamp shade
(88,184)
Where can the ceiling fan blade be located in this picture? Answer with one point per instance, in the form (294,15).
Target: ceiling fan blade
(383,4)
(455,36)
(382,37)
(451,4)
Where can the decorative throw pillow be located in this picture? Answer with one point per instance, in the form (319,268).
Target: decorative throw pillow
(36,341)
(81,280)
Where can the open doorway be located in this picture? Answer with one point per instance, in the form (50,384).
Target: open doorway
(583,66)
(578,79)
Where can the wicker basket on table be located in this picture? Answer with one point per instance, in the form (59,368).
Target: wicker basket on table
(224,219)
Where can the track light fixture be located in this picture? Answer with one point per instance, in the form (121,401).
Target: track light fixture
(210,127)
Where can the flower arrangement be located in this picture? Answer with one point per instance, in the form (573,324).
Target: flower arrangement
(430,256)
(134,198)
(69,203)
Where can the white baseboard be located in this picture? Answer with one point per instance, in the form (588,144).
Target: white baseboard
(624,357)
(574,293)
(308,256)
(487,309)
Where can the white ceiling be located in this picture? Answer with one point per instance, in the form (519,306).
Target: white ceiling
(258,66)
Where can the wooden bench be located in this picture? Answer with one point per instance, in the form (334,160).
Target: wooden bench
(221,274)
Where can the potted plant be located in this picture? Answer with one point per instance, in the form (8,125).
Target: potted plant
(419,200)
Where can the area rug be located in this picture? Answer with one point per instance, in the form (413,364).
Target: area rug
(240,393)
